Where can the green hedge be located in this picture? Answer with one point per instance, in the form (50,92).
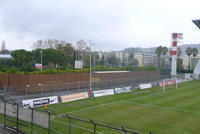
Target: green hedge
(86,70)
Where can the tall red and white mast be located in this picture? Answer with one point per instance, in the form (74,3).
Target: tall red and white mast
(175,37)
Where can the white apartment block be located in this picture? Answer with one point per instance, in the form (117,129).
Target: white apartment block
(145,59)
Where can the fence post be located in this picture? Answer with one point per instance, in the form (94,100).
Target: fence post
(31,120)
(55,87)
(123,129)
(4,115)
(79,85)
(49,114)
(9,89)
(94,126)
(17,123)
(69,123)
(68,86)
(27,86)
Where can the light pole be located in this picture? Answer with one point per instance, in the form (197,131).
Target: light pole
(90,71)
(41,60)
(41,88)
(27,86)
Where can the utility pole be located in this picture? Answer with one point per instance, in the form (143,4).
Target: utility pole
(94,58)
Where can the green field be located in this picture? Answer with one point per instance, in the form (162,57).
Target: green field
(176,111)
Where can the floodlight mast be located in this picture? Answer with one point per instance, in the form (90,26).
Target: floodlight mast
(175,40)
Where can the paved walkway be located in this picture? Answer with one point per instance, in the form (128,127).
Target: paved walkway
(5,131)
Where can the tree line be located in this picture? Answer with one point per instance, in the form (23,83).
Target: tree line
(161,53)
(62,55)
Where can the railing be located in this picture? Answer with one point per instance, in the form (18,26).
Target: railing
(36,121)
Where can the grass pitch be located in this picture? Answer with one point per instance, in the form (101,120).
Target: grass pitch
(175,111)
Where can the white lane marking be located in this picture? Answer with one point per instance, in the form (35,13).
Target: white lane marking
(76,126)
(163,107)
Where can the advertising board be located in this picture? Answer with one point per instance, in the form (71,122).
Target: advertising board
(78,64)
(103,92)
(38,65)
(167,82)
(39,101)
(122,90)
(145,86)
(73,97)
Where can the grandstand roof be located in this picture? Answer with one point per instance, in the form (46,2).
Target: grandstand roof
(197,23)
(5,56)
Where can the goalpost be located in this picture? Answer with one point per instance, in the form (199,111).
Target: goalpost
(168,82)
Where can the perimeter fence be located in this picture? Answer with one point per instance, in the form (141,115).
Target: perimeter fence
(55,88)
(37,121)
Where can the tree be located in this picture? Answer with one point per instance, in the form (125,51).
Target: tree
(22,57)
(81,48)
(95,58)
(113,61)
(131,60)
(159,53)
(52,58)
(164,52)
(189,53)
(102,61)
(68,51)
(37,55)
(179,64)
(179,52)
(47,43)
(195,52)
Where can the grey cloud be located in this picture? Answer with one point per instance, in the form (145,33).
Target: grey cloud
(60,19)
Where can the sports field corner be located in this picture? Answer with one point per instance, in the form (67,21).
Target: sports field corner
(175,111)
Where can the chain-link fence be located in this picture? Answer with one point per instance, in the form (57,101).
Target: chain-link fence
(54,88)
(36,121)
(21,120)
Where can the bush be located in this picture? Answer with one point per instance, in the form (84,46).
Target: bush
(12,70)
(27,68)
(32,70)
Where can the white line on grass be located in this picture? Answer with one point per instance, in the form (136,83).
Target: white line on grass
(163,107)
(106,104)
(101,105)
(76,126)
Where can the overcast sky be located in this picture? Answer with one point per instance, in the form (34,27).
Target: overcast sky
(111,24)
